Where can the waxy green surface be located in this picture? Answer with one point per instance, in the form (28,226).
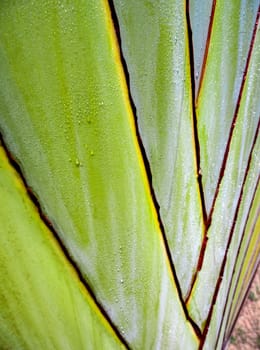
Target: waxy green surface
(231,35)
(155,47)
(249,262)
(66,117)
(43,304)
(200,13)
(236,253)
(229,191)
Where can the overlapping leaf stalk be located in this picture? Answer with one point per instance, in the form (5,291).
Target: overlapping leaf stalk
(135,125)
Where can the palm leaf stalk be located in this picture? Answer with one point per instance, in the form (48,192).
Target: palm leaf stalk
(129,172)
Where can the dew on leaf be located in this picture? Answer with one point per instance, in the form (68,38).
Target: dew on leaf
(78,163)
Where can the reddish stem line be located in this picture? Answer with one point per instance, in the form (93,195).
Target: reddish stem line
(241,305)
(148,171)
(225,158)
(203,67)
(224,161)
(14,163)
(221,273)
(238,251)
(240,270)
(196,135)
(194,113)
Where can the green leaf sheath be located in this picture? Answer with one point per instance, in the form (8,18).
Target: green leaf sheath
(43,305)
(247,262)
(66,117)
(155,47)
(232,30)
(236,254)
(129,213)
(230,188)
(254,250)
(200,14)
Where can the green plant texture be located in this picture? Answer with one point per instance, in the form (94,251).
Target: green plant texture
(129,172)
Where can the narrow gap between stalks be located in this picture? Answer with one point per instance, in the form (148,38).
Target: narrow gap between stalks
(237,254)
(225,158)
(68,257)
(237,281)
(196,140)
(194,113)
(204,63)
(241,305)
(148,169)
(222,269)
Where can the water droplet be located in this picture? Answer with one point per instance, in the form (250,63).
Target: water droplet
(78,163)
(92,153)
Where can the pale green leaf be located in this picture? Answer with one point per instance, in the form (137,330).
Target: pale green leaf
(109,185)
(232,30)
(200,14)
(229,191)
(66,118)
(155,47)
(43,304)
(249,263)
(236,252)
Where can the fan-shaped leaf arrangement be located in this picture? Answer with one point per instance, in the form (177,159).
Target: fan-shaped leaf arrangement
(129,171)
